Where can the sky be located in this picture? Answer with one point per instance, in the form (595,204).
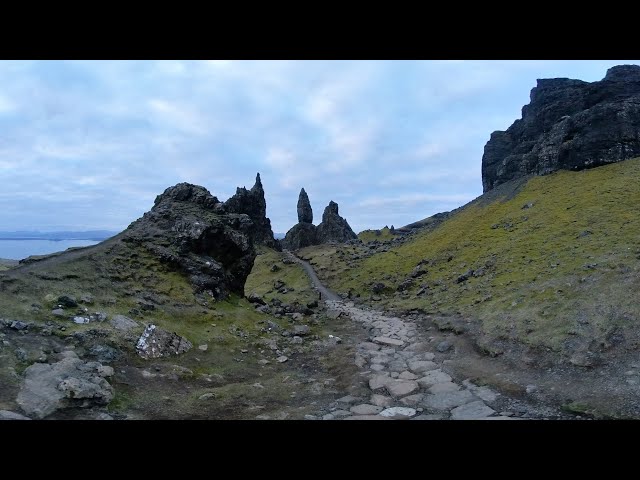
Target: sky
(89,144)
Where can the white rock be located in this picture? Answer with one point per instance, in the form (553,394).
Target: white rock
(398,412)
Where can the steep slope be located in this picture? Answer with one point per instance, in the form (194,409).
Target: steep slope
(551,262)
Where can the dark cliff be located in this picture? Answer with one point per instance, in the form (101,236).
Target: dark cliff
(571,125)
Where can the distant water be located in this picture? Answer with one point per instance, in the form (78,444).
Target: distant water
(19,249)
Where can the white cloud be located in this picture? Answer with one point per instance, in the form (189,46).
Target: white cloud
(178,116)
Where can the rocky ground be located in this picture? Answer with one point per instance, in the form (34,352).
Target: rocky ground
(405,375)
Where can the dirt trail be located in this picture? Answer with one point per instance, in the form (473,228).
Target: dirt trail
(410,376)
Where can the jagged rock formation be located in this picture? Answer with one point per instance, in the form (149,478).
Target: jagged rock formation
(334,228)
(191,230)
(303,233)
(253,203)
(305,213)
(569,124)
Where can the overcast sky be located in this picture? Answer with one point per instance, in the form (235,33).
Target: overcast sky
(89,144)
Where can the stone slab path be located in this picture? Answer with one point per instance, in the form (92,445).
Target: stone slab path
(405,380)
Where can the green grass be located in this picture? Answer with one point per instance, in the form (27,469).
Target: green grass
(262,279)
(380,235)
(537,285)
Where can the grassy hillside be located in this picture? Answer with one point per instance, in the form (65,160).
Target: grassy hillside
(553,264)
(380,235)
(235,376)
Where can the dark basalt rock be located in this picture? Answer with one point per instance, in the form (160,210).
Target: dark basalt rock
(301,235)
(191,230)
(253,203)
(334,228)
(305,213)
(569,124)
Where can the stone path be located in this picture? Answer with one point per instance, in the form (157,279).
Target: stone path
(405,379)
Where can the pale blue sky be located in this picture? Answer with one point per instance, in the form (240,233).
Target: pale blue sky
(89,144)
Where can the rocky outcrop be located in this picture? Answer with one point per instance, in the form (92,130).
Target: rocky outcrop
(156,342)
(334,228)
(70,382)
(191,230)
(252,203)
(569,124)
(305,213)
(301,235)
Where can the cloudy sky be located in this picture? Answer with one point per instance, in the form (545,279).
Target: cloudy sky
(89,144)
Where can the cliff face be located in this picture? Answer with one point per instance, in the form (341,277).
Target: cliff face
(191,230)
(571,125)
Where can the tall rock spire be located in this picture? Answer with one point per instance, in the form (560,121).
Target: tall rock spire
(305,214)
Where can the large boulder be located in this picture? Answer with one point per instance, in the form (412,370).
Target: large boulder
(70,382)
(334,228)
(192,231)
(305,213)
(252,203)
(569,124)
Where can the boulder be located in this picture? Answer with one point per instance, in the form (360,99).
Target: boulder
(156,342)
(70,382)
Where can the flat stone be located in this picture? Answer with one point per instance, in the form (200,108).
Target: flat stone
(388,341)
(282,359)
(367,417)
(412,400)
(203,347)
(328,416)
(122,323)
(448,400)
(402,388)
(348,399)
(207,396)
(7,415)
(368,346)
(340,413)
(58,312)
(310,417)
(398,412)
(406,375)
(472,411)
(499,418)
(444,387)
(444,346)
(422,366)
(359,361)
(381,400)
(379,381)
(433,377)
(376,367)
(430,416)
(365,409)
(486,394)
(419,347)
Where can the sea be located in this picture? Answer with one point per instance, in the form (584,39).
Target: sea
(19,249)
